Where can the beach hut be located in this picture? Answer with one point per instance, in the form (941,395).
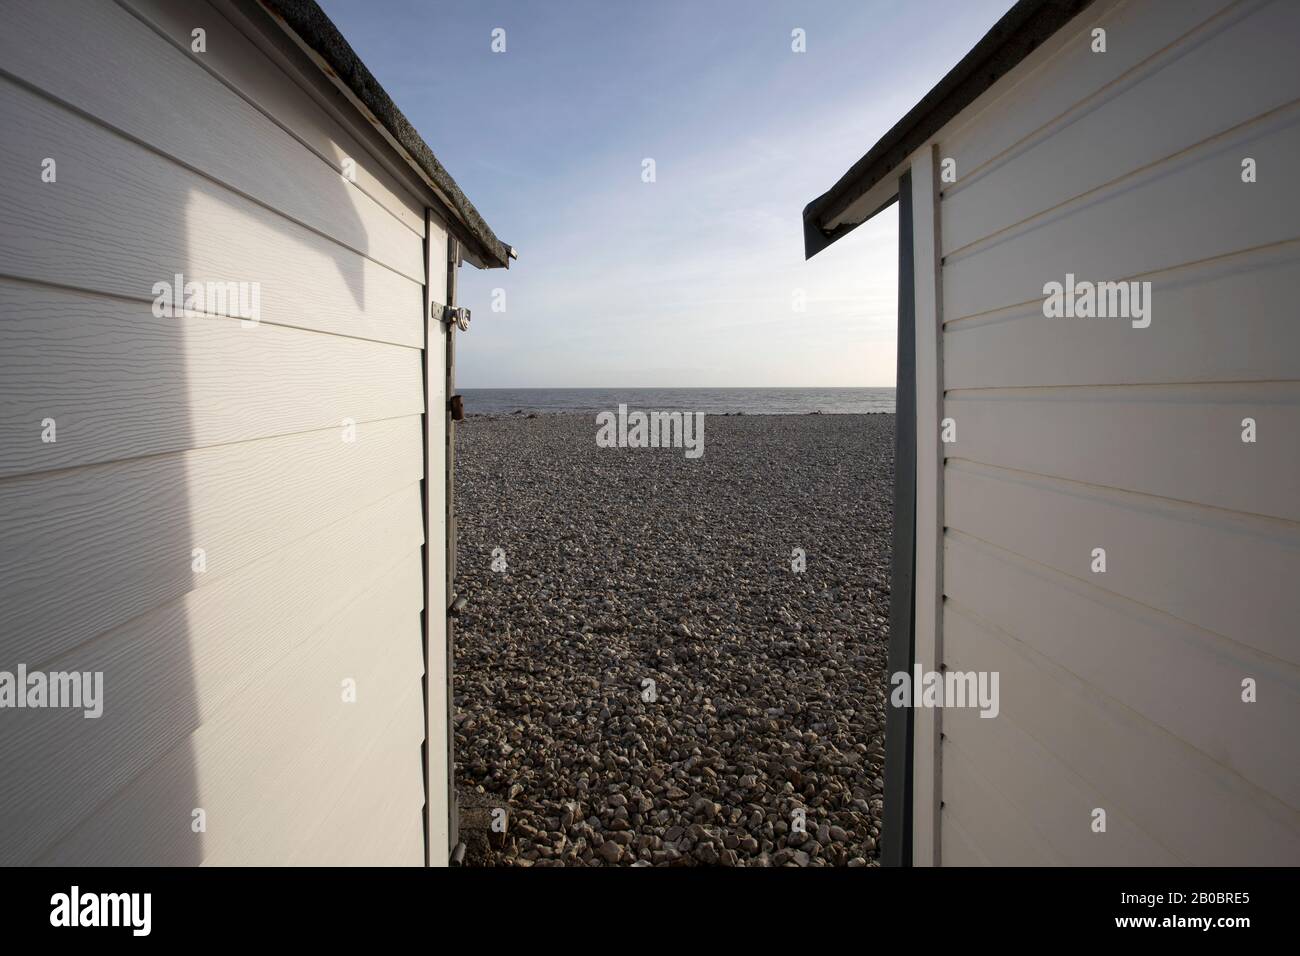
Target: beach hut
(227,294)
(1098,481)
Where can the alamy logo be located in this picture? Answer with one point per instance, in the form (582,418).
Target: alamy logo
(242,300)
(652,430)
(82,690)
(103,909)
(946,689)
(1101,300)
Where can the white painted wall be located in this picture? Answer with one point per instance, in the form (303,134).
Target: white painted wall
(1120,690)
(223,687)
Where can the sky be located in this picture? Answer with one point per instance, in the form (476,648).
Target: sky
(695,278)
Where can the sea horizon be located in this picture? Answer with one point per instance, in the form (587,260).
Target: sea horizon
(710,400)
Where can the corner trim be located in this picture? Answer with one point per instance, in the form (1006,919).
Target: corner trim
(896,830)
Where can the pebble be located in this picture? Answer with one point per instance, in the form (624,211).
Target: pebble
(649,682)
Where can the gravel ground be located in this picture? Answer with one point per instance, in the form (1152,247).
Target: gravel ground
(626,566)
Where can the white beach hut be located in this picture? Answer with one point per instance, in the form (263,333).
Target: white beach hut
(1099,436)
(227,267)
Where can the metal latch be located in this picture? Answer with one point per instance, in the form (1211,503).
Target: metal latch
(451,315)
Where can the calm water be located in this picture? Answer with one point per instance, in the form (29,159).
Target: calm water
(713,401)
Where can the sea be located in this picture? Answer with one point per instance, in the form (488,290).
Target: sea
(712,401)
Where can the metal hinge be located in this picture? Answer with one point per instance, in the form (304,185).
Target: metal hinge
(450,315)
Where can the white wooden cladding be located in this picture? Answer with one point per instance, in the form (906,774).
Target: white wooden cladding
(1154,220)
(295,771)
(1218,323)
(95,364)
(183,112)
(67,579)
(1172,441)
(1065,749)
(1229,69)
(160,694)
(1064,73)
(1123,690)
(268,85)
(1179,558)
(1151,663)
(124,218)
(289,454)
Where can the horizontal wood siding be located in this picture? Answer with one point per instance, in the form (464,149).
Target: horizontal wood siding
(94,364)
(294,771)
(1144,659)
(1150,220)
(1217,323)
(229,523)
(1122,690)
(183,111)
(1064,76)
(1172,441)
(177,221)
(1231,67)
(268,85)
(1060,748)
(1227,572)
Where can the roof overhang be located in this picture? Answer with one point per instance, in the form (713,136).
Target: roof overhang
(307,26)
(871,184)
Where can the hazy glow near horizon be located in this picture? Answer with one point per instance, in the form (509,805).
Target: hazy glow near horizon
(689,280)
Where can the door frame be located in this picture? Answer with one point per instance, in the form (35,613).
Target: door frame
(896,825)
(442,257)
(913,736)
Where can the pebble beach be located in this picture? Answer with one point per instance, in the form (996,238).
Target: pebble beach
(641,675)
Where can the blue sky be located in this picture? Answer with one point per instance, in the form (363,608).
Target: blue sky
(690,280)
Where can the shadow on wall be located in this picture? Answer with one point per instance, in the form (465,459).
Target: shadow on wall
(138,533)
